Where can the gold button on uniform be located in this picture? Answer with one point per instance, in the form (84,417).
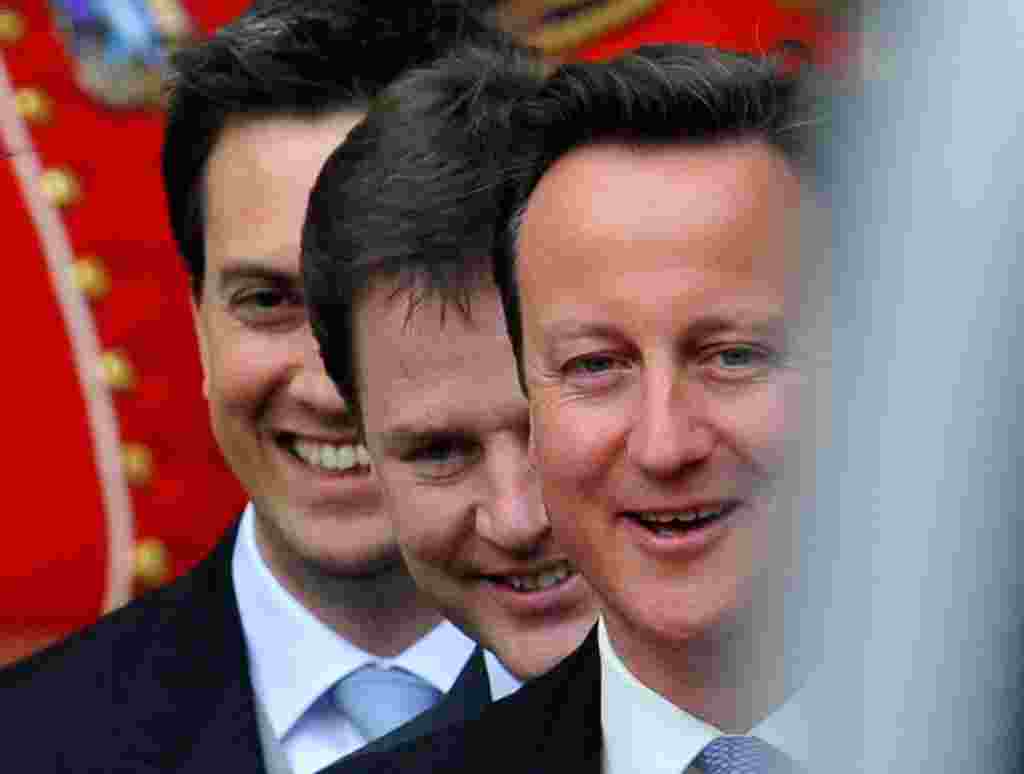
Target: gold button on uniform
(152,563)
(91,277)
(137,462)
(60,187)
(12,26)
(118,372)
(34,105)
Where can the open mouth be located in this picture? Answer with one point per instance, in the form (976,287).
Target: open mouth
(549,578)
(327,457)
(673,523)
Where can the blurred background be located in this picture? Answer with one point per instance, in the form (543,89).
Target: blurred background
(113,482)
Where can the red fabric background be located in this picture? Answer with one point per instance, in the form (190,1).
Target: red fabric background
(54,559)
(754,26)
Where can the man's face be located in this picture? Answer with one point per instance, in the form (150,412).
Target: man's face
(282,426)
(447,427)
(659,293)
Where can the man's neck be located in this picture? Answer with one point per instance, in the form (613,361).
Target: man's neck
(381,611)
(731,682)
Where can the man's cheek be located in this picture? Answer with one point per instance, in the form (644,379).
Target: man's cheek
(571,444)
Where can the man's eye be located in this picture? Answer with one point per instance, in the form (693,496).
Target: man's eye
(266,305)
(439,458)
(739,357)
(438,451)
(263,298)
(743,359)
(586,365)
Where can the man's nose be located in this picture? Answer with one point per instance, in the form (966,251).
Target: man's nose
(512,515)
(671,429)
(309,384)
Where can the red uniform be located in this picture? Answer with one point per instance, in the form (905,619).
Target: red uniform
(114,481)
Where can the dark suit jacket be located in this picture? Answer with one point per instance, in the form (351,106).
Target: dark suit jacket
(552,724)
(160,685)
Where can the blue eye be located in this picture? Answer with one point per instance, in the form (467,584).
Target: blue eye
(740,357)
(437,451)
(440,458)
(741,362)
(590,364)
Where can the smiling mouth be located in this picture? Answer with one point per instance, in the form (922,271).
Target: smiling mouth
(549,578)
(672,523)
(328,457)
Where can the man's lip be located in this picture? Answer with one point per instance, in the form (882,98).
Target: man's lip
(719,504)
(695,517)
(287,436)
(524,591)
(678,540)
(533,569)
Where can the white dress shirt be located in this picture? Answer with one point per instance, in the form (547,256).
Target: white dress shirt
(503,683)
(643,731)
(294,659)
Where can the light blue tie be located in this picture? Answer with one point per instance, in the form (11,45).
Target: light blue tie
(744,755)
(379,700)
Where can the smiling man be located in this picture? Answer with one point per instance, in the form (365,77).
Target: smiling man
(324,597)
(302,637)
(397,265)
(652,268)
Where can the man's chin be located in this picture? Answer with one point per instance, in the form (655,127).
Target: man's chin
(365,567)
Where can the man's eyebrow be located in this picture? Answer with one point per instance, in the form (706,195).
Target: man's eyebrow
(755,321)
(577,329)
(406,433)
(244,269)
(758,323)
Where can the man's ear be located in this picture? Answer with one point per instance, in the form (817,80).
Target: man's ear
(204,355)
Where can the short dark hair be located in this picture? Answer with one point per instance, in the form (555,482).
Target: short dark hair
(657,95)
(410,196)
(304,58)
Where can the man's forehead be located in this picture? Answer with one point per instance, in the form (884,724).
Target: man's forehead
(733,170)
(425,363)
(725,214)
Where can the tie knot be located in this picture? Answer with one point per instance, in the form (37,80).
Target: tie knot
(378,699)
(744,755)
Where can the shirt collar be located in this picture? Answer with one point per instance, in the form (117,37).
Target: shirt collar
(294,657)
(786,727)
(503,683)
(643,731)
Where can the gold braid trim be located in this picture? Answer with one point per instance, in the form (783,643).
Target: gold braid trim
(557,37)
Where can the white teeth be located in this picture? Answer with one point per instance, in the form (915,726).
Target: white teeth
(543,580)
(344,457)
(331,456)
(683,517)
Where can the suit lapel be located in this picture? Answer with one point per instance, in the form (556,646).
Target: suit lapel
(469,696)
(204,678)
(570,738)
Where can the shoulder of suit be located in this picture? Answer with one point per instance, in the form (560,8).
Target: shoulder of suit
(109,652)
